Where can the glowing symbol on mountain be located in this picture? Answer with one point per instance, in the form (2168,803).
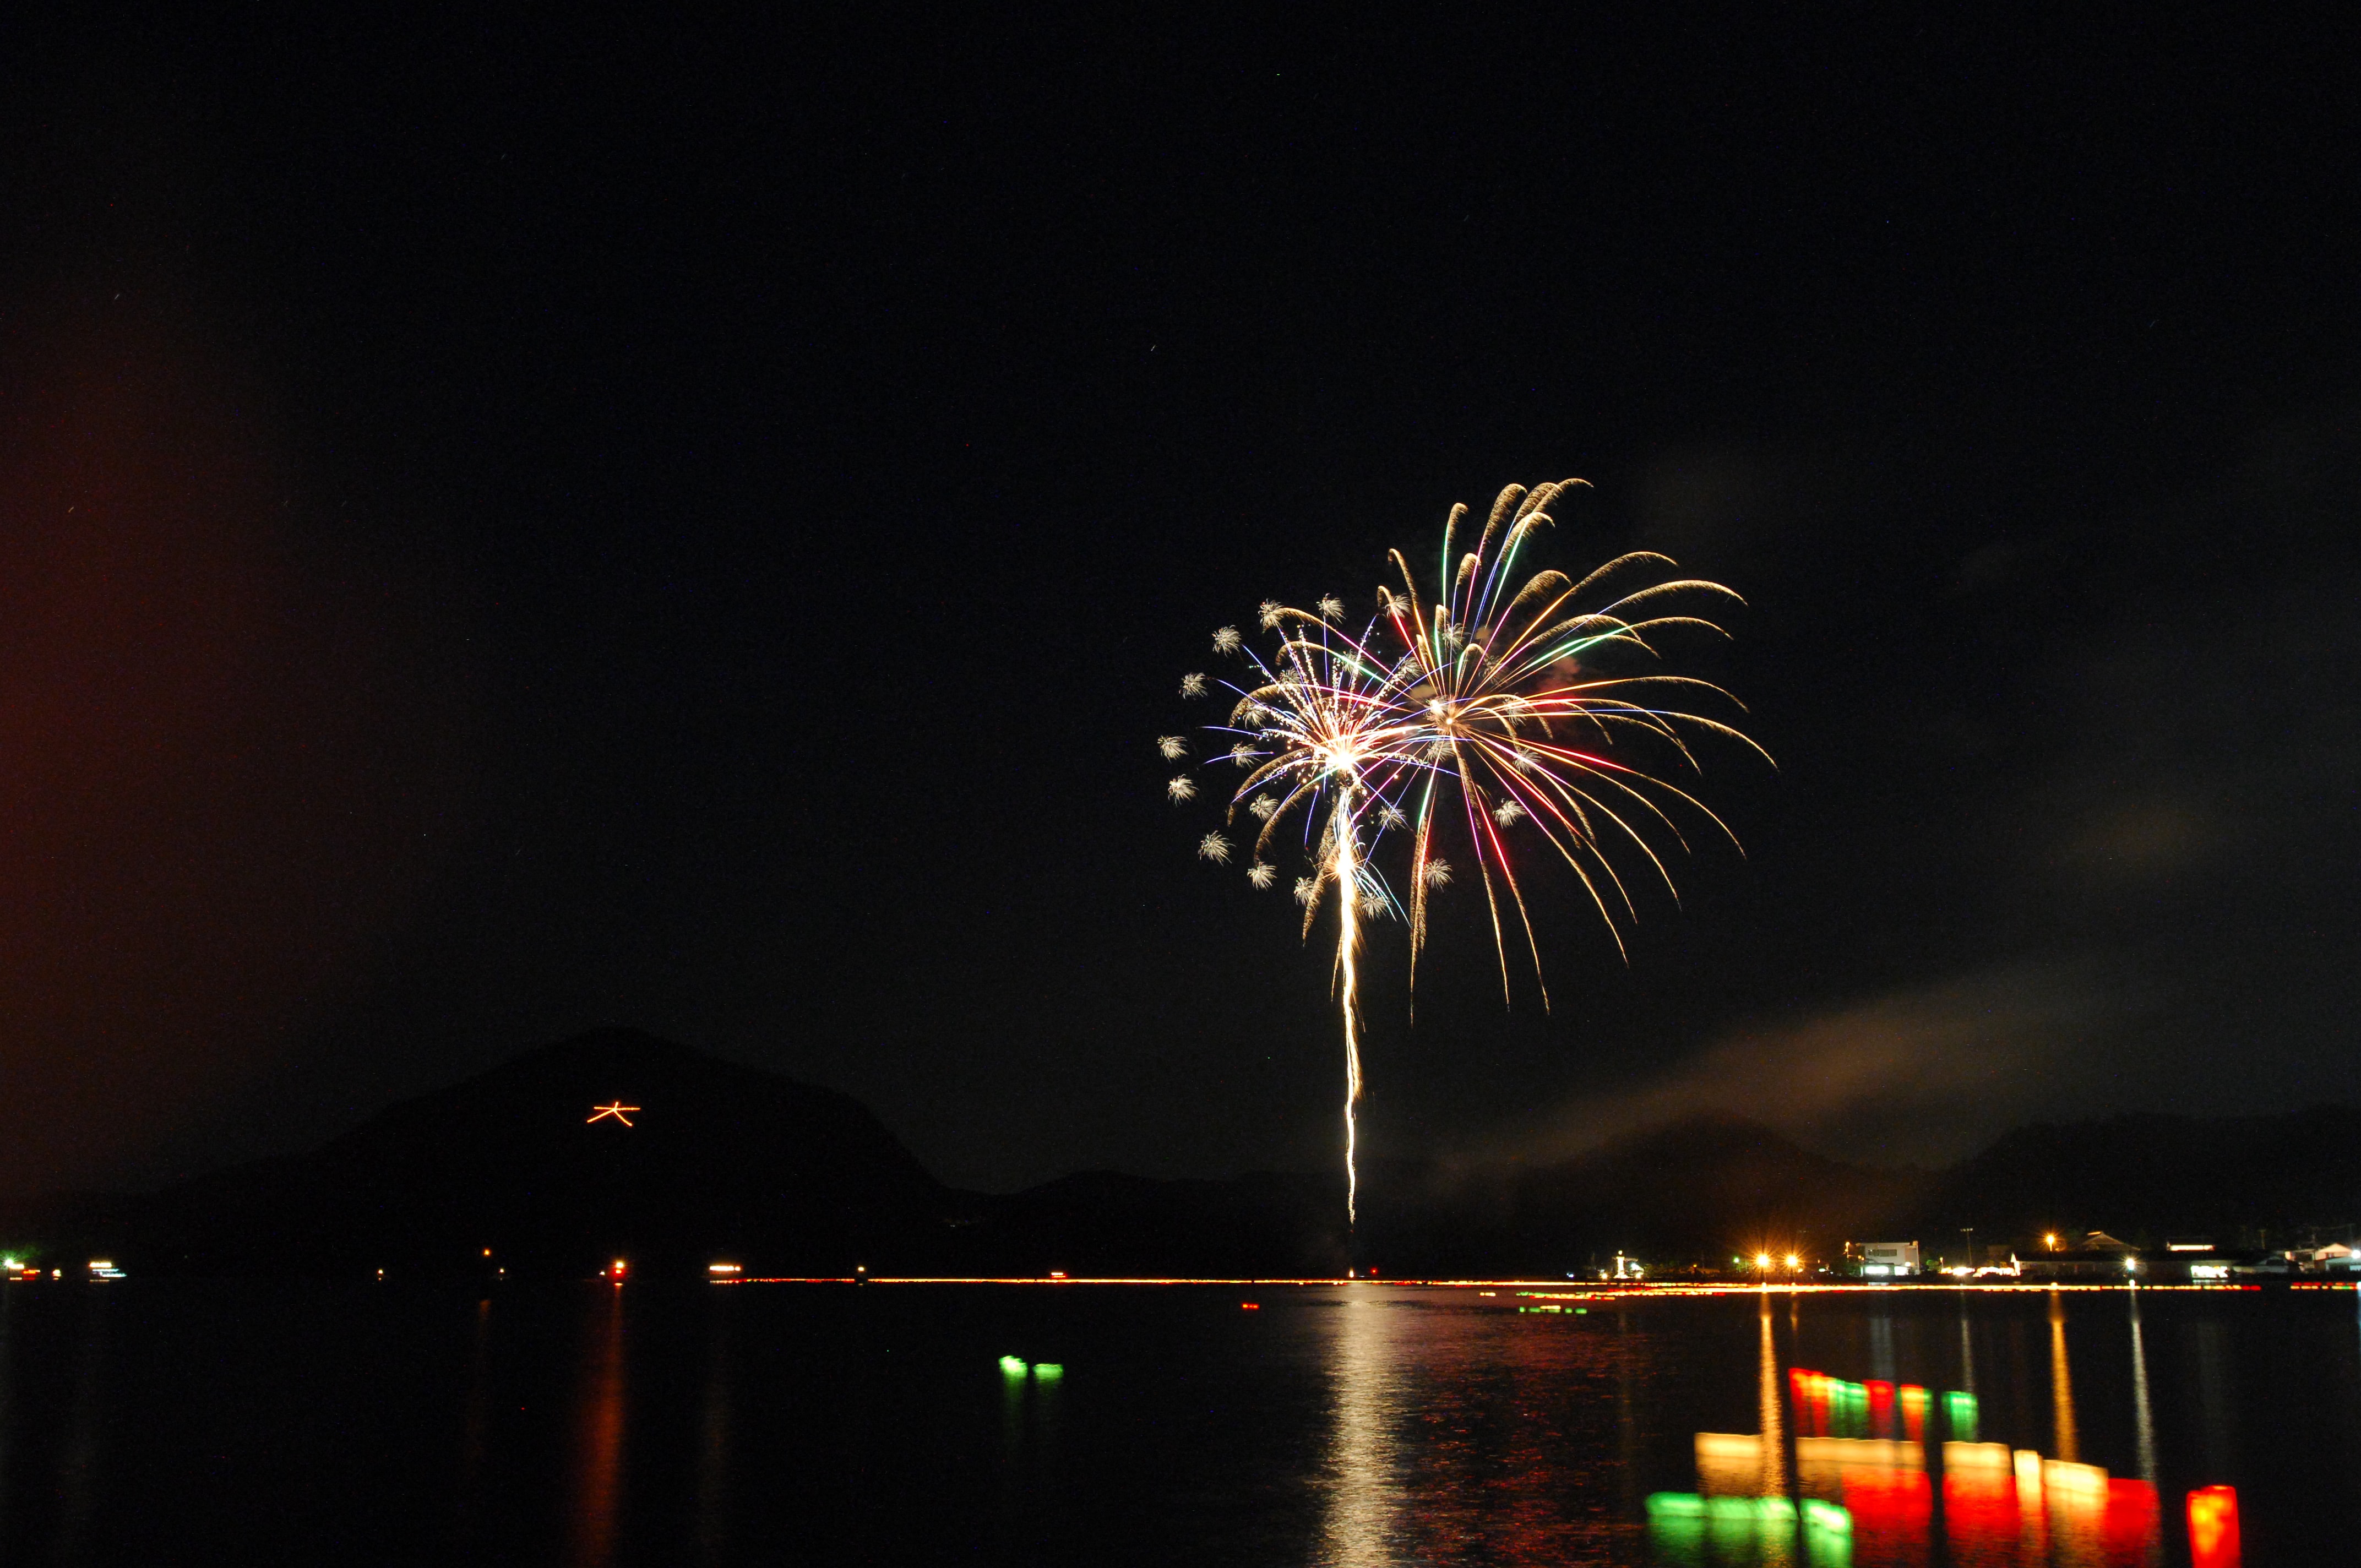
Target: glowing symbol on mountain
(600,1112)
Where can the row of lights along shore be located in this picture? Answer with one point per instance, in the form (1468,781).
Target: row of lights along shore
(17,1268)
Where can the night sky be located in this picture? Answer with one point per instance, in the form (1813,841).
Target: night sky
(513,526)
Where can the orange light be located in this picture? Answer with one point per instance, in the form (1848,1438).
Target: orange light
(1250,1306)
(2050,1241)
(600,1112)
(1762,1260)
(1057,1274)
(2214,1528)
(1793,1260)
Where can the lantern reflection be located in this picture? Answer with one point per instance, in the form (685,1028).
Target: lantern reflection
(1869,1461)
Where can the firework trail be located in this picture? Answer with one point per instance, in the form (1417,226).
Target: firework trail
(1477,717)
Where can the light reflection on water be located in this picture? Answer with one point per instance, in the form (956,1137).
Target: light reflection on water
(599,1434)
(1363,1496)
(2142,1416)
(1465,1435)
(1354,1426)
(2065,1445)
(713,1453)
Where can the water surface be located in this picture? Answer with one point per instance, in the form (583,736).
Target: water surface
(184,1421)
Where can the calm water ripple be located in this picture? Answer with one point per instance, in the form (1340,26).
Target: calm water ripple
(180,1421)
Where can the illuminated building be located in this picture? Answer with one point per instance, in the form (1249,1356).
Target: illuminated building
(1884,1260)
(2097,1258)
(2338,1257)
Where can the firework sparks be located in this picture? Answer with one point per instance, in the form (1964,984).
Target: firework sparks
(1496,702)
(1172,747)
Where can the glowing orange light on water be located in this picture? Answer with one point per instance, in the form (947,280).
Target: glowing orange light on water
(600,1112)
(2214,1528)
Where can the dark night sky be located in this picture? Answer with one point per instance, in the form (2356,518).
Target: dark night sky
(513,526)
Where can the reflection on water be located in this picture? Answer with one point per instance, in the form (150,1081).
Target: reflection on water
(78,1462)
(2214,1528)
(1901,1476)
(475,1424)
(7,1399)
(1772,1479)
(1360,1482)
(2061,1384)
(2143,1417)
(1967,1349)
(713,1437)
(598,1436)
(1346,1425)
(2210,1341)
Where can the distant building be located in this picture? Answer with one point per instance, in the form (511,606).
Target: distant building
(2096,1257)
(1884,1260)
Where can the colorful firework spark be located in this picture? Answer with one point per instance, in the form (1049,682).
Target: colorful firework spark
(1483,710)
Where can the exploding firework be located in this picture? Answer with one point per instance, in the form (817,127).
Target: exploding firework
(1482,717)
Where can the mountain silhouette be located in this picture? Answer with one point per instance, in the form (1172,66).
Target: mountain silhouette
(1704,1189)
(706,1160)
(2147,1177)
(517,1165)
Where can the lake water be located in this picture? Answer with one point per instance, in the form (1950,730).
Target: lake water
(160,1422)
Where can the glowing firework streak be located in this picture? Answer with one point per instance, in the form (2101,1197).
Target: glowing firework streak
(1481,708)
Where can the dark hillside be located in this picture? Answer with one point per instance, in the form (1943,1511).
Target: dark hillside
(725,1162)
(2144,1178)
(1698,1190)
(719,1159)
